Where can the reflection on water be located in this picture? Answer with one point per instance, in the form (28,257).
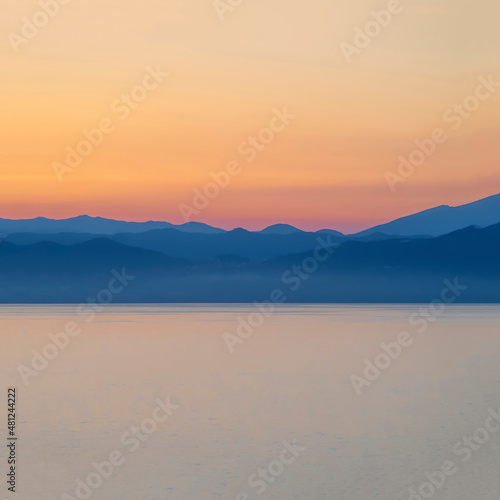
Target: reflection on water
(289,380)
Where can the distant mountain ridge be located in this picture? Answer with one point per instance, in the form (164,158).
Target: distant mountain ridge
(395,270)
(96,225)
(444,219)
(432,222)
(195,246)
(280,229)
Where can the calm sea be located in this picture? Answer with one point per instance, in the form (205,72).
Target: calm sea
(313,402)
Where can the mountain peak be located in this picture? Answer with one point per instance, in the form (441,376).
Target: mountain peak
(443,219)
(281,229)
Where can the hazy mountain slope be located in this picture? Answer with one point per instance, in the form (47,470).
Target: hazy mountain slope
(96,225)
(399,270)
(246,244)
(280,229)
(196,246)
(444,219)
(433,222)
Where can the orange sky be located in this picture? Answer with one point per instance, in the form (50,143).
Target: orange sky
(324,169)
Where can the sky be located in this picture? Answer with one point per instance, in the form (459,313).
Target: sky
(179,88)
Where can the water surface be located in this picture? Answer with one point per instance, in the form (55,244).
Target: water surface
(290,380)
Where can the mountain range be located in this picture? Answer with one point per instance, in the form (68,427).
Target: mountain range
(433,222)
(394,270)
(444,219)
(51,261)
(96,225)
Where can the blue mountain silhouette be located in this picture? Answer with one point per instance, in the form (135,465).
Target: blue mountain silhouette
(444,219)
(391,270)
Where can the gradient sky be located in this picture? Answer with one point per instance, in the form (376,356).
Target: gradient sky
(326,169)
